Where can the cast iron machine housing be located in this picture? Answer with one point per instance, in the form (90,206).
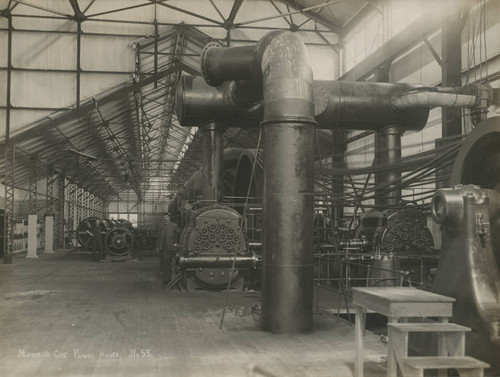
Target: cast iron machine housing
(469,263)
(392,240)
(210,243)
(212,236)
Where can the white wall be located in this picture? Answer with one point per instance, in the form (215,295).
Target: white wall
(56,48)
(419,66)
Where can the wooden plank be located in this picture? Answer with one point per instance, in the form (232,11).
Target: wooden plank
(418,309)
(440,362)
(428,327)
(398,294)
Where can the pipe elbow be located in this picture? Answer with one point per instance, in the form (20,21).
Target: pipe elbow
(277,68)
(287,78)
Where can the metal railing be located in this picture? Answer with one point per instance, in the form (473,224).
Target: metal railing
(340,271)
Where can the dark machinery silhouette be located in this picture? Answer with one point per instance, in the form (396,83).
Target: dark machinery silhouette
(469,214)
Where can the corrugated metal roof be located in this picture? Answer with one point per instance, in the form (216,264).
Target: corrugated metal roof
(128,137)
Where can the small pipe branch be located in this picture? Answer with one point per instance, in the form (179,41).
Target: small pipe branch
(471,97)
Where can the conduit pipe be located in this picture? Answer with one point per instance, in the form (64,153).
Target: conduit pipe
(279,64)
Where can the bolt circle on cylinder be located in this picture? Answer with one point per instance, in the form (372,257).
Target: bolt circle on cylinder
(205,72)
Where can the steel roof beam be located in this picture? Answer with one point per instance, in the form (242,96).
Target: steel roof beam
(405,40)
(229,22)
(333,25)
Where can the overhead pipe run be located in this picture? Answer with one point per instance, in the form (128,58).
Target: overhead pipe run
(337,104)
(343,104)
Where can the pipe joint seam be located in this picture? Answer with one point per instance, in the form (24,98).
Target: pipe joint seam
(304,121)
(391,130)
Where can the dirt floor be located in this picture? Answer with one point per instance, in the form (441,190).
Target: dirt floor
(65,315)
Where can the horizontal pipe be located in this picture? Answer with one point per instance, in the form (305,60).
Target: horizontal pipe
(217,261)
(349,105)
(229,64)
(365,106)
(197,102)
(357,243)
(463,97)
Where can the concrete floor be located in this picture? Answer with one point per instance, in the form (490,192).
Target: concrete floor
(64,315)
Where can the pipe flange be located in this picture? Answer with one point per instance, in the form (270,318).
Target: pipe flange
(210,80)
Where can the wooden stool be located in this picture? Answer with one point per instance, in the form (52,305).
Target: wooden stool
(451,349)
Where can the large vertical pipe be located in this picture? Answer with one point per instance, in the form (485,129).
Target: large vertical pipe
(213,160)
(278,68)
(287,273)
(388,152)
(289,130)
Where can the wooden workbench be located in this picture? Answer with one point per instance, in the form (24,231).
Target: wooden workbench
(395,303)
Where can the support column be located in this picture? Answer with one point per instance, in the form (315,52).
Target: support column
(71,206)
(79,206)
(33,210)
(85,205)
(32,241)
(105,211)
(213,162)
(8,231)
(451,50)
(388,152)
(451,76)
(49,234)
(338,159)
(49,192)
(9,171)
(90,200)
(59,218)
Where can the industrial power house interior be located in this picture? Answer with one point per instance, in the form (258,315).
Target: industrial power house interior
(254,188)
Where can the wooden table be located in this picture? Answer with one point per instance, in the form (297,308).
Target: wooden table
(395,303)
